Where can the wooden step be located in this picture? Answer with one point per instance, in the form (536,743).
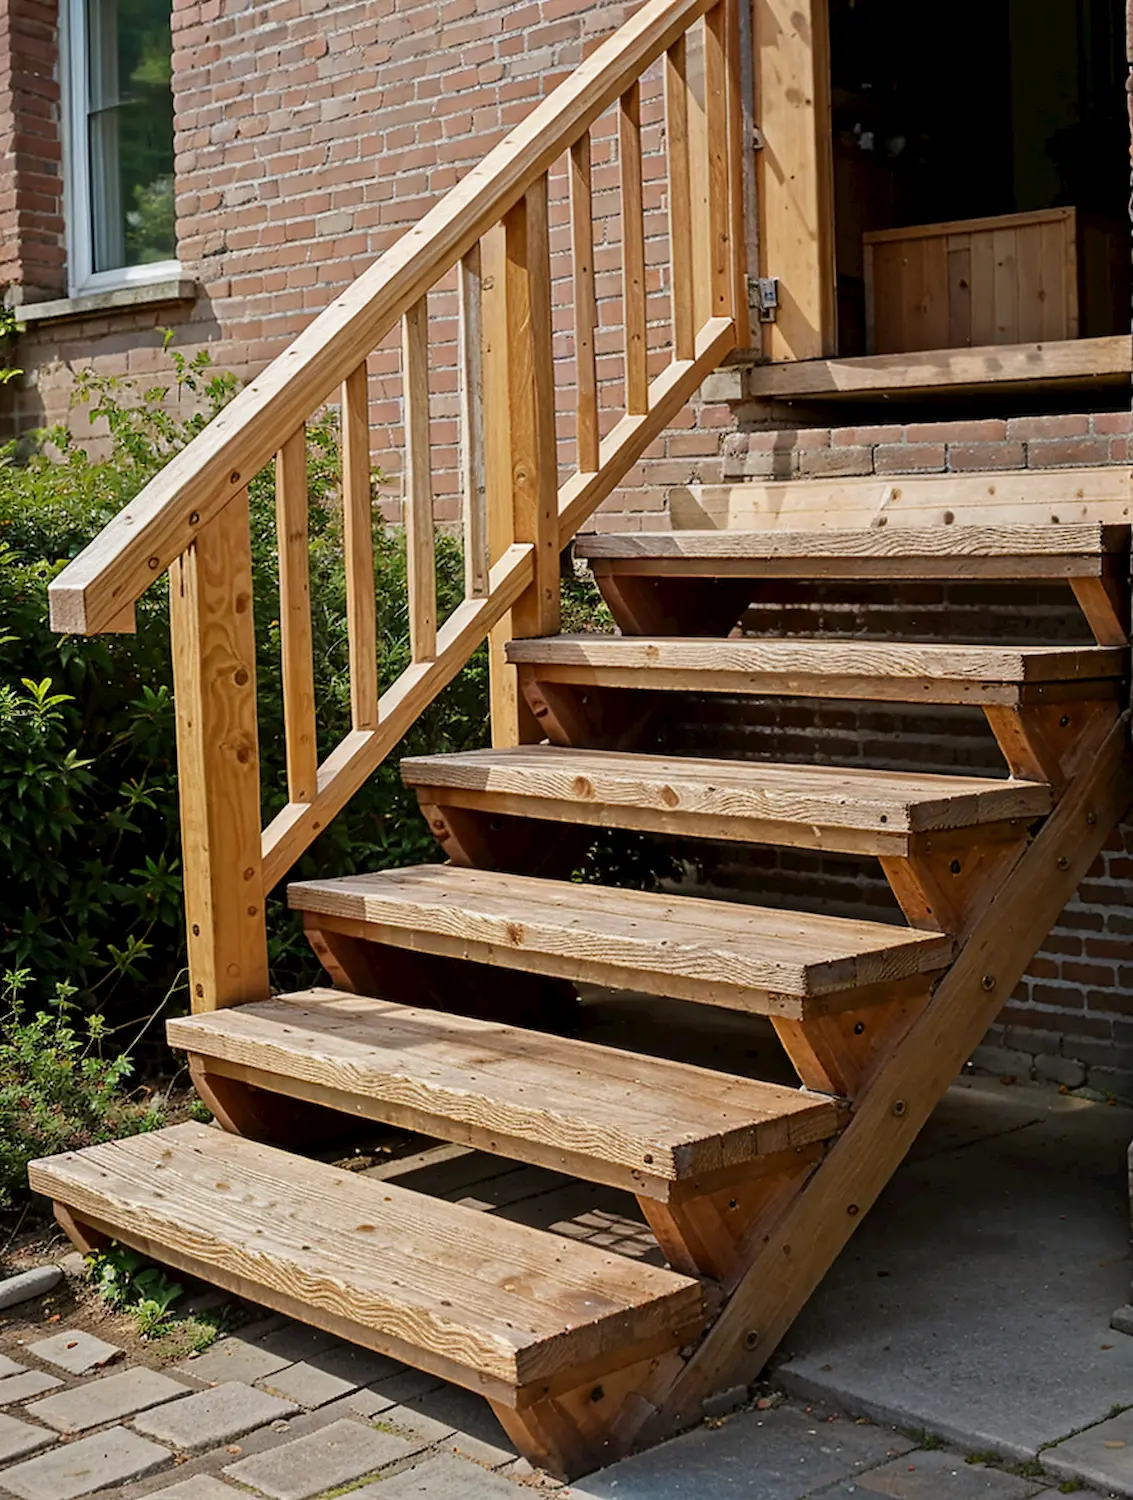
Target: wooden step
(829,807)
(640,1123)
(901,671)
(493,1305)
(996,552)
(781,963)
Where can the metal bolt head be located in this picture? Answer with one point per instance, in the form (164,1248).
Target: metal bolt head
(1062,862)
(853,1210)
(899,1107)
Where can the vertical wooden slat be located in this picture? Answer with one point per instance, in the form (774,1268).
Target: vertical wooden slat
(358,544)
(214,688)
(295,618)
(420,564)
(698,178)
(716,164)
(680,197)
(733,79)
(472,482)
(585,307)
(633,251)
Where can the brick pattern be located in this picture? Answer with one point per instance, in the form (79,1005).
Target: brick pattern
(31,182)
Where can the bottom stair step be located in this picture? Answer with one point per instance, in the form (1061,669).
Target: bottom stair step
(501,1308)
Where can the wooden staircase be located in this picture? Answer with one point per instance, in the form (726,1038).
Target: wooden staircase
(452,997)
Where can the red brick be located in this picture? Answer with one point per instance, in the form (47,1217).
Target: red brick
(907,458)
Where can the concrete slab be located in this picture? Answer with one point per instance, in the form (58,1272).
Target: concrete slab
(93,1463)
(994,1258)
(106,1400)
(17,1439)
(233,1359)
(24,1387)
(1102,1456)
(782,1454)
(209,1418)
(10,1367)
(74,1351)
(309,1466)
(200,1487)
(443,1478)
(934,1474)
(326,1376)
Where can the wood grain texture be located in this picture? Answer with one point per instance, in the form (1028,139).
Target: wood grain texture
(487,1296)
(358,549)
(118,566)
(633,250)
(717,163)
(579,931)
(610,788)
(585,307)
(597,1112)
(474,502)
(680,196)
(214,694)
(421,567)
(1011,497)
(298,667)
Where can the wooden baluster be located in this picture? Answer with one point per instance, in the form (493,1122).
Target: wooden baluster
(358,544)
(680,197)
(633,251)
(520,441)
(295,618)
(698,177)
(420,564)
(733,72)
(585,307)
(716,164)
(473,484)
(218,773)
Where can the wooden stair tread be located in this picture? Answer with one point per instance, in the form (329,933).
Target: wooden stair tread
(674,945)
(614,783)
(450,1289)
(579,1104)
(848,658)
(1084,541)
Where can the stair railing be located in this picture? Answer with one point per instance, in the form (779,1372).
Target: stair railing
(493,229)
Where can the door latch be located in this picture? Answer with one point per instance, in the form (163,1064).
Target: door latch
(763,296)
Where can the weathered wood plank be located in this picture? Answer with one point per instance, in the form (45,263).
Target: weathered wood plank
(633,251)
(585,307)
(680,197)
(421,568)
(298,667)
(358,547)
(473,489)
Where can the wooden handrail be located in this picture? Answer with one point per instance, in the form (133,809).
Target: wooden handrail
(96,591)
(518,509)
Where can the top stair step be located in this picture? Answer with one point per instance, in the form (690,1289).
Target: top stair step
(995,552)
(493,1305)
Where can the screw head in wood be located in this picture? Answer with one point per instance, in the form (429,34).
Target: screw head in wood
(194,518)
(859,1027)
(1063,721)
(1062,862)
(955,867)
(153,563)
(899,1107)
(234,477)
(1091,818)
(751,1339)
(988,982)
(853,1210)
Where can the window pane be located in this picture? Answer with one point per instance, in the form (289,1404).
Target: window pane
(130,126)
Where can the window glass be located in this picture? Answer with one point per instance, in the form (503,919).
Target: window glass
(130,132)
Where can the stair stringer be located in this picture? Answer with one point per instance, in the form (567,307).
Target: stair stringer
(791,1257)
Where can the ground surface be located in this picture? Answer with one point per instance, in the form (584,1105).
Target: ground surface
(972,1306)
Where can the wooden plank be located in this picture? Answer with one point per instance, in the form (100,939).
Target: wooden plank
(473,488)
(795,174)
(982,262)
(600,1113)
(680,197)
(609,786)
(585,307)
(298,667)
(420,565)
(362,751)
(214,694)
(1026,366)
(1009,497)
(789,1264)
(717,161)
(1006,287)
(633,251)
(162,520)
(739,163)
(988,224)
(1032,282)
(484,1295)
(682,945)
(358,547)
(959,292)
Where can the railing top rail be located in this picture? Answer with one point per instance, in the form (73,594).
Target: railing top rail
(97,591)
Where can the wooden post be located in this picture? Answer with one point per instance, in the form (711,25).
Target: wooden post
(633,252)
(680,197)
(474,505)
(295,618)
(585,308)
(358,545)
(520,453)
(420,563)
(214,685)
(795,174)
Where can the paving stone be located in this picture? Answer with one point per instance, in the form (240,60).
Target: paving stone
(935,1474)
(335,1455)
(296,1341)
(792,1452)
(407,1385)
(106,1400)
(74,1351)
(18,1438)
(325,1377)
(233,1359)
(446,1477)
(419,1423)
(93,1463)
(209,1418)
(200,1487)
(10,1367)
(24,1387)
(1102,1456)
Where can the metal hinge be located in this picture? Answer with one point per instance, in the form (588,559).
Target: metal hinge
(763,296)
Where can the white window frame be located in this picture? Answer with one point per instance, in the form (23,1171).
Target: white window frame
(78,219)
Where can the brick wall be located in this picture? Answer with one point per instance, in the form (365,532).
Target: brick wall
(31,242)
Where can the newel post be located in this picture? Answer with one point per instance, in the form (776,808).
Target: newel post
(214,687)
(521,467)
